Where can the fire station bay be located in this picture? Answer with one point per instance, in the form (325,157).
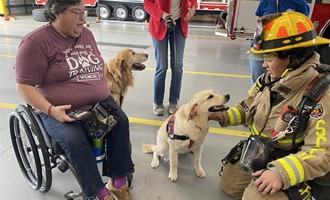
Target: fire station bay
(215,59)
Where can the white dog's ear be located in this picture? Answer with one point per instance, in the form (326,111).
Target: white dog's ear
(192,111)
(114,68)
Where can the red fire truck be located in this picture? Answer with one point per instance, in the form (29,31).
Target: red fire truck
(120,9)
(240,21)
(211,7)
(88,3)
(125,9)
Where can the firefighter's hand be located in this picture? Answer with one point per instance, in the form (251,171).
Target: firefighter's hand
(217,116)
(268,182)
(190,14)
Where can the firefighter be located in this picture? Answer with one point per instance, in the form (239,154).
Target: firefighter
(279,161)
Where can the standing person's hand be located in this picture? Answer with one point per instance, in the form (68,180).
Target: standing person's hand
(190,14)
(168,20)
(267,182)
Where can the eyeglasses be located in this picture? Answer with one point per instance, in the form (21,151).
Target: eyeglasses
(269,57)
(78,13)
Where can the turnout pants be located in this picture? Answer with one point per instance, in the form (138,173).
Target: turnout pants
(239,185)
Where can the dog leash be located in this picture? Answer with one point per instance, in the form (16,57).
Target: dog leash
(170,24)
(175,65)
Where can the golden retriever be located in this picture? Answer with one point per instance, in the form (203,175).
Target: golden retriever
(118,72)
(185,131)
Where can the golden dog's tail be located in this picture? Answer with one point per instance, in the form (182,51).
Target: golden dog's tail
(148,148)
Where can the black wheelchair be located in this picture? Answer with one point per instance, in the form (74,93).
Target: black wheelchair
(36,153)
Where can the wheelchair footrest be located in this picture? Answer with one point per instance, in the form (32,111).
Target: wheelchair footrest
(72,195)
(63,166)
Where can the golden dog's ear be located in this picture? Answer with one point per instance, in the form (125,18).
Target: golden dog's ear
(114,67)
(192,111)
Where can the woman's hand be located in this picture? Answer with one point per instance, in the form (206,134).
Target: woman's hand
(58,112)
(267,182)
(190,14)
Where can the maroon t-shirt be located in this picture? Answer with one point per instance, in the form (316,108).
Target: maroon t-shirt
(64,70)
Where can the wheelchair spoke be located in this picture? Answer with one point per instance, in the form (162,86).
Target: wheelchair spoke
(27,156)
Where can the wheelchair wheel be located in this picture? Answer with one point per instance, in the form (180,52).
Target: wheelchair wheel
(25,150)
(35,128)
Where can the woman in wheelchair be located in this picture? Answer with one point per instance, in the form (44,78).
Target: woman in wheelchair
(59,69)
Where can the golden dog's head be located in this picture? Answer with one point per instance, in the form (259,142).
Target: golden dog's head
(204,103)
(121,65)
(132,59)
(118,72)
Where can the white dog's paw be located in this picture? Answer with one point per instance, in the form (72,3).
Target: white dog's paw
(155,163)
(200,173)
(173,176)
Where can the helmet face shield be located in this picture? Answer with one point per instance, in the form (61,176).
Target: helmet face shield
(257,38)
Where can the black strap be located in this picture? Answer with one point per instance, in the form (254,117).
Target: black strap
(277,43)
(314,92)
(179,137)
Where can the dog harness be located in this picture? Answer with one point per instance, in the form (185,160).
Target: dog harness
(172,136)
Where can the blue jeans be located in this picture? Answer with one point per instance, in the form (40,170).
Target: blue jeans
(72,138)
(177,42)
(256,70)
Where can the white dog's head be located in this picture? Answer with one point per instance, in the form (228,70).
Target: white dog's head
(204,103)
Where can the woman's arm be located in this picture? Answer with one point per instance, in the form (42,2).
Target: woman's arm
(191,10)
(153,9)
(32,96)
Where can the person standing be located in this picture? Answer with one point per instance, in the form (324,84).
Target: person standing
(52,64)
(266,7)
(168,25)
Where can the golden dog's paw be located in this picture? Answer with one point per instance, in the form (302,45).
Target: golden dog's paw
(200,173)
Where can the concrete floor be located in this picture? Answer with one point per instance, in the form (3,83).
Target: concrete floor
(210,62)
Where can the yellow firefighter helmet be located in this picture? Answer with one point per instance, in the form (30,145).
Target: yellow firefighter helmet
(285,31)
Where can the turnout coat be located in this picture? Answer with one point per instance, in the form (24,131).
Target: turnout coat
(261,111)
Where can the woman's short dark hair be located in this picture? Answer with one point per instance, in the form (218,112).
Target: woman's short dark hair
(54,7)
(297,56)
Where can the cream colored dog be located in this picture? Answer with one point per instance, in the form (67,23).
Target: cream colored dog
(185,131)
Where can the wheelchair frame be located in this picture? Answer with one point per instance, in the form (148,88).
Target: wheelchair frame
(36,154)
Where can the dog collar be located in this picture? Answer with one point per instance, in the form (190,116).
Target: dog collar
(172,136)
